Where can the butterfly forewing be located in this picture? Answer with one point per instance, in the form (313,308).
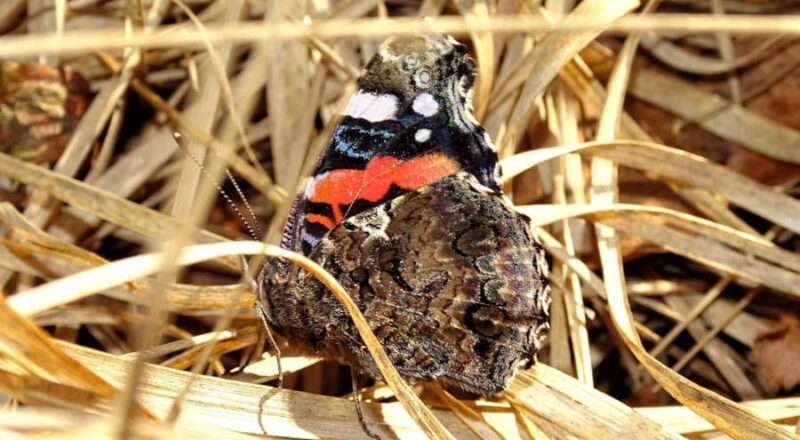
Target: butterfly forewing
(408,125)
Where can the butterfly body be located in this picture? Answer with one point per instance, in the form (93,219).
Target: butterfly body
(404,208)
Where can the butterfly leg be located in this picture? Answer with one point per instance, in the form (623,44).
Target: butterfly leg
(359,409)
(262,314)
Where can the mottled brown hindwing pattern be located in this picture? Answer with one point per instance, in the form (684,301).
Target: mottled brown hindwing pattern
(449,277)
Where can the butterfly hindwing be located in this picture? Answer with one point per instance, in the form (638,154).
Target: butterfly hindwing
(445,276)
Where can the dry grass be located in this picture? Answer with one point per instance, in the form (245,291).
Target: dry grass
(105,333)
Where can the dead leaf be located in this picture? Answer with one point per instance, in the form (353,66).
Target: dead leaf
(39,108)
(776,354)
(761,168)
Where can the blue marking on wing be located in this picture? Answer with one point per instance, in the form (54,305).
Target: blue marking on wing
(360,142)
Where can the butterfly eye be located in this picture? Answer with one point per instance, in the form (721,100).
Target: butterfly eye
(423,78)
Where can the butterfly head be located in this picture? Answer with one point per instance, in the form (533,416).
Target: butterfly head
(410,66)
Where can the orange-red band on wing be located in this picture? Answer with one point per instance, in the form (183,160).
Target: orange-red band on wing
(343,187)
(321,219)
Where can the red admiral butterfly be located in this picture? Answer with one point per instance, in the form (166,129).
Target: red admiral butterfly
(404,208)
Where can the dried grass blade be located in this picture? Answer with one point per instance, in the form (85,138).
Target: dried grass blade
(483,42)
(80,144)
(267,368)
(71,288)
(174,36)
(40,422)
(717,351)
(288,93)
(718,327)
(717,115)
(469,416)
(221,76)
(22,339)
(202,113)
(73,258)
(593,95)
(689,62)
(569,186)
(238,406)
(34,391)
(88,282)
(580,268)
(10,13)
(604,191)
(687,422)
(89,127)
(545,214)
(555,50)
(563,400)
(700,172)
(723,413)
(100,203)
(678,165)
(20,227)
(531,429)
(187,297)
(706,246)
(259,180)
(708,252)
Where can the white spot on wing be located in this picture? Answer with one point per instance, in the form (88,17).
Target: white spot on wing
(422,135)
(311,185)
(372,107)
(373,221)
(425,104)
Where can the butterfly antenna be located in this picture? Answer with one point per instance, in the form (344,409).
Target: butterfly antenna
(253,228)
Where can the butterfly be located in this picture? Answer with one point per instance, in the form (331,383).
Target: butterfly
(405,209)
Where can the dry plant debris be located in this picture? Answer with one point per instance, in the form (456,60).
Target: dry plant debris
(776,354)
(661,171)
